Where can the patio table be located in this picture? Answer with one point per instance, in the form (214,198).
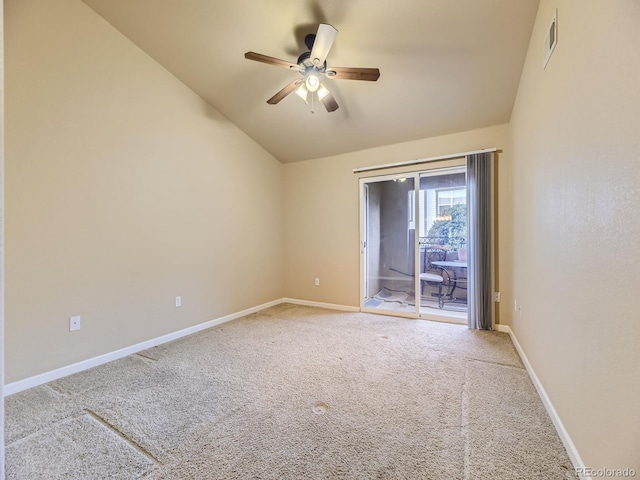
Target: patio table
(454,265)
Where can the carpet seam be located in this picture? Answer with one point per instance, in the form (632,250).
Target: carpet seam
(464,423)
(489,362)
(57,390)
(30,433)
(146,357)
(122,435)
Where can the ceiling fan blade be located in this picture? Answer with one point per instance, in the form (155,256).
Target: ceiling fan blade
(285,91)
(349,73)
(329,102)
(322,44)
(258,57)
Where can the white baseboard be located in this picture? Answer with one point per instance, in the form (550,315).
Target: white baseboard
(46,377)
(505,329)
(331,306)
(578,464)
(52,375)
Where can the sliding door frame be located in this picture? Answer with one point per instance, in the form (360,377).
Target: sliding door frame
(363,187)
(415,174)
(441,316)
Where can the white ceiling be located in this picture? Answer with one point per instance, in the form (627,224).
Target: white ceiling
(446,65)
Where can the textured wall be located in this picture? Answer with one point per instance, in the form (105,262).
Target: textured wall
(123,190)
(576,192)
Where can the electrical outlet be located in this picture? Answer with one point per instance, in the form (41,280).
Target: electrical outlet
(317,282)
(178,302)
(496,297)
(74,323)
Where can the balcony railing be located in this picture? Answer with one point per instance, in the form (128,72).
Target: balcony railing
(448,243)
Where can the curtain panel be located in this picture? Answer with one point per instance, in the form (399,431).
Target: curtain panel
(480,301)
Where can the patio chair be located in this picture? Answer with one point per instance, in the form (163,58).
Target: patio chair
(433,275)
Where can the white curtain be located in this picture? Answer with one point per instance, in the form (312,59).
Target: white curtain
(480,291)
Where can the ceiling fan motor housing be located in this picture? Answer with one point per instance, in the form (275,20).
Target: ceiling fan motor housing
(309,39)
(307,65)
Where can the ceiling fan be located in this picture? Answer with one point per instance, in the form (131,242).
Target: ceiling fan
(312,65)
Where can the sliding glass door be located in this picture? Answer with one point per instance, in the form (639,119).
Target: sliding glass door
(388,245)
(413,244)
(442,207)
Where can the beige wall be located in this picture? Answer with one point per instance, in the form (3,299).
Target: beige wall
(576,254)
(322,224)
(123,190)
(2,468)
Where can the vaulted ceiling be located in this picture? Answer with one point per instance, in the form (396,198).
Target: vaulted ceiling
(446,65)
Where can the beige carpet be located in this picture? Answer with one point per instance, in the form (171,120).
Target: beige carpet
(294,393)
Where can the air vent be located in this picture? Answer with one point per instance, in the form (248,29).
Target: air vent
(550,39)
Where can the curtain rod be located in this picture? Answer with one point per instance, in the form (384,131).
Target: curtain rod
(422,160)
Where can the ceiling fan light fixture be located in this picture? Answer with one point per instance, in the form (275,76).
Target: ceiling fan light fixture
(322,91)
(312,82)
(302,92)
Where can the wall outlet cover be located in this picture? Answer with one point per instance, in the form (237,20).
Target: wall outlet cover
(74,323)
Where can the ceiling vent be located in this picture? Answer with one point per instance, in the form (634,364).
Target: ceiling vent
(550,39)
